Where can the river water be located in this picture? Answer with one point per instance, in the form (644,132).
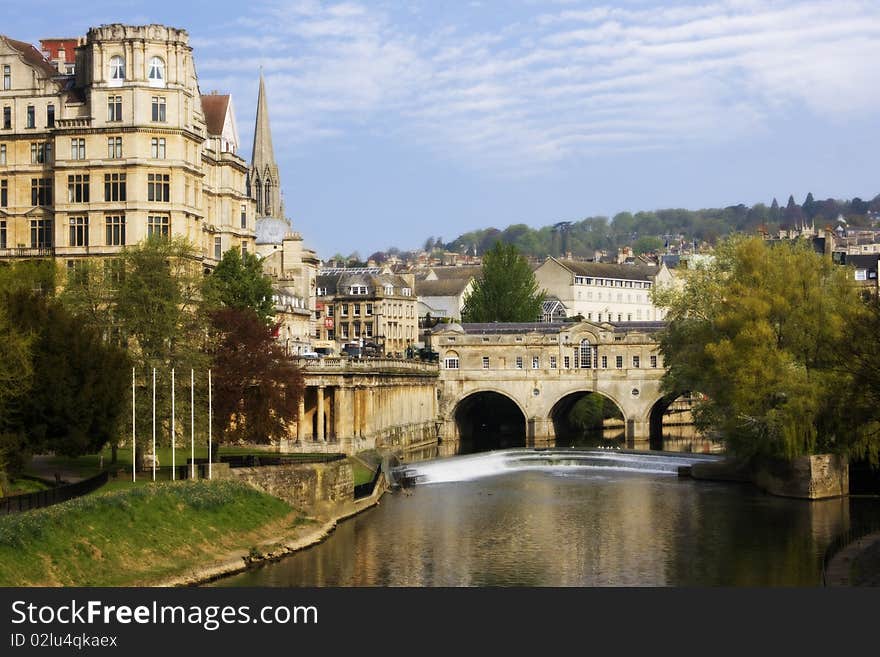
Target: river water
(592,518)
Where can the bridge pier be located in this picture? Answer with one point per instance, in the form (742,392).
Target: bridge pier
(540,432)
(638,435)
(320,412)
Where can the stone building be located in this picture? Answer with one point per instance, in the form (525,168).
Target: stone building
(123,148)
(604,292)
(442,291)
(366,305)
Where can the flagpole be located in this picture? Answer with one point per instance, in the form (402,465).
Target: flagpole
(192,421)
(154,424)
(133,451)
(209,424)
(173,464)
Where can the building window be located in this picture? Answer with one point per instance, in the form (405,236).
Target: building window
(566,362)
(157,148)
(451,362)
(117,70)
(7,118)
(114,147)
(519,362)
(114,108)
(485,362)
(158,187)
(243,249)
(4,193)
(2,153)
(50,116)
(31,117)
(586,354)
(368,330)
(41,233)
(41,191)
(368,309)
(552,362)
(218,248)
(114,186)
(158,226)
(243,214)
(115,230)
(536,362)
(343,310)
(78,188)
(329,309)
(79,231)
(344,329)
(653,361)
(7,77)
(2,234)
(41,153)
(636,361)
(158,108)
(77,149)
(604,362)
(356,309)
(618,361)
(389,289)
(156,75)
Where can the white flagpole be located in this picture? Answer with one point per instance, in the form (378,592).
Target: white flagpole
(172,425)
(154,424)
(133,452)
(192,421)
(209,424)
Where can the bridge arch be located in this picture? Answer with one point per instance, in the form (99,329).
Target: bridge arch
(670,422)
(587,418)
(488,419)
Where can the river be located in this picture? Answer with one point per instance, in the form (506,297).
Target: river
(582,518)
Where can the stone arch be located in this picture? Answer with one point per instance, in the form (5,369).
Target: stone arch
(568,435)
(487,419)
(659,423)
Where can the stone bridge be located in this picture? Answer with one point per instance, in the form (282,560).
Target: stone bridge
(509,383)
(519,381)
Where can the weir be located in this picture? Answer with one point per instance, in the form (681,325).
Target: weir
(487,464)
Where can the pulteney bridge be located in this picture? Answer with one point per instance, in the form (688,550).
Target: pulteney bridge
(513,384)
(519,381)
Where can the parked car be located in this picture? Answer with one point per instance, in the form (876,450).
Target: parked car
(309,354)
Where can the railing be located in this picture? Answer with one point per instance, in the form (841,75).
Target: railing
(840,541)
(78,122)
(26,252)
(258,460)
(338,364)
(50,496)
(366,489)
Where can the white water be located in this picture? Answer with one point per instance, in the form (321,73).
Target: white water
(487,464)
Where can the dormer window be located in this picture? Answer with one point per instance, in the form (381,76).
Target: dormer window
(389,289)
(358,289)
(407,292)
(156,75)
(117,70)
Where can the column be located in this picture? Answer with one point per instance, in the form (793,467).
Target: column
(320,412)
(301,417)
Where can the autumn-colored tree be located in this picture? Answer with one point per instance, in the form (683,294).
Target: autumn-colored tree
(257,388)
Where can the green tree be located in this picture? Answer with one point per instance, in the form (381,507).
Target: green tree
(239,282)
(760,333)
(647,245)
(507,290)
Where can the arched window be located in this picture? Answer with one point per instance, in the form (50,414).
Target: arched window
(258,197)
(117,70)
(156,75)
(586,354)
(268,201)
(450,362)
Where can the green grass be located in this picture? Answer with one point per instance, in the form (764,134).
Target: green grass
(362,475)
(23,486)
(136,534)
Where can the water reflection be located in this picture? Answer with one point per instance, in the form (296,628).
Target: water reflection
(573,528)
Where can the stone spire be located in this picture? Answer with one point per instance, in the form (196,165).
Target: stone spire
(264,178)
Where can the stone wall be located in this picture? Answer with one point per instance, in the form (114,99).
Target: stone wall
(311,487)
(810,477)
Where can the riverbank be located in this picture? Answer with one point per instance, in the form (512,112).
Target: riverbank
(857,564)
(277,547)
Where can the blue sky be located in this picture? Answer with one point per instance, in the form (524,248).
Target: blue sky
(395,121)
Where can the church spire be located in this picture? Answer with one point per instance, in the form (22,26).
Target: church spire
(264,177)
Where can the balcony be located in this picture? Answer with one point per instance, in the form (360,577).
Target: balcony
(79,122)
(28,252)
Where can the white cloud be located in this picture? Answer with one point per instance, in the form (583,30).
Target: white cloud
(572,82)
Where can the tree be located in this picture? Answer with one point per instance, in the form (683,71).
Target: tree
(506,291)
(761,333)
(79,388)
(647,245)
(239,282)
(792,216)
(257,387)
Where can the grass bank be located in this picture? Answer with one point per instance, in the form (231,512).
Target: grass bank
(138,535)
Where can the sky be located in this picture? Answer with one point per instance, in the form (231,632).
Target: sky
(397,121)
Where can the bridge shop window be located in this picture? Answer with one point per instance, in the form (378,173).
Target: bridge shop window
(536,362)
(552,362)
(583,356)
(653,361)
(485,362)
(636,362)
(566,362)
(519,362)
(450,362)
(604,362)
(619,362)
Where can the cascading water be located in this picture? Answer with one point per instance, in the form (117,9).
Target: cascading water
(487,464)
